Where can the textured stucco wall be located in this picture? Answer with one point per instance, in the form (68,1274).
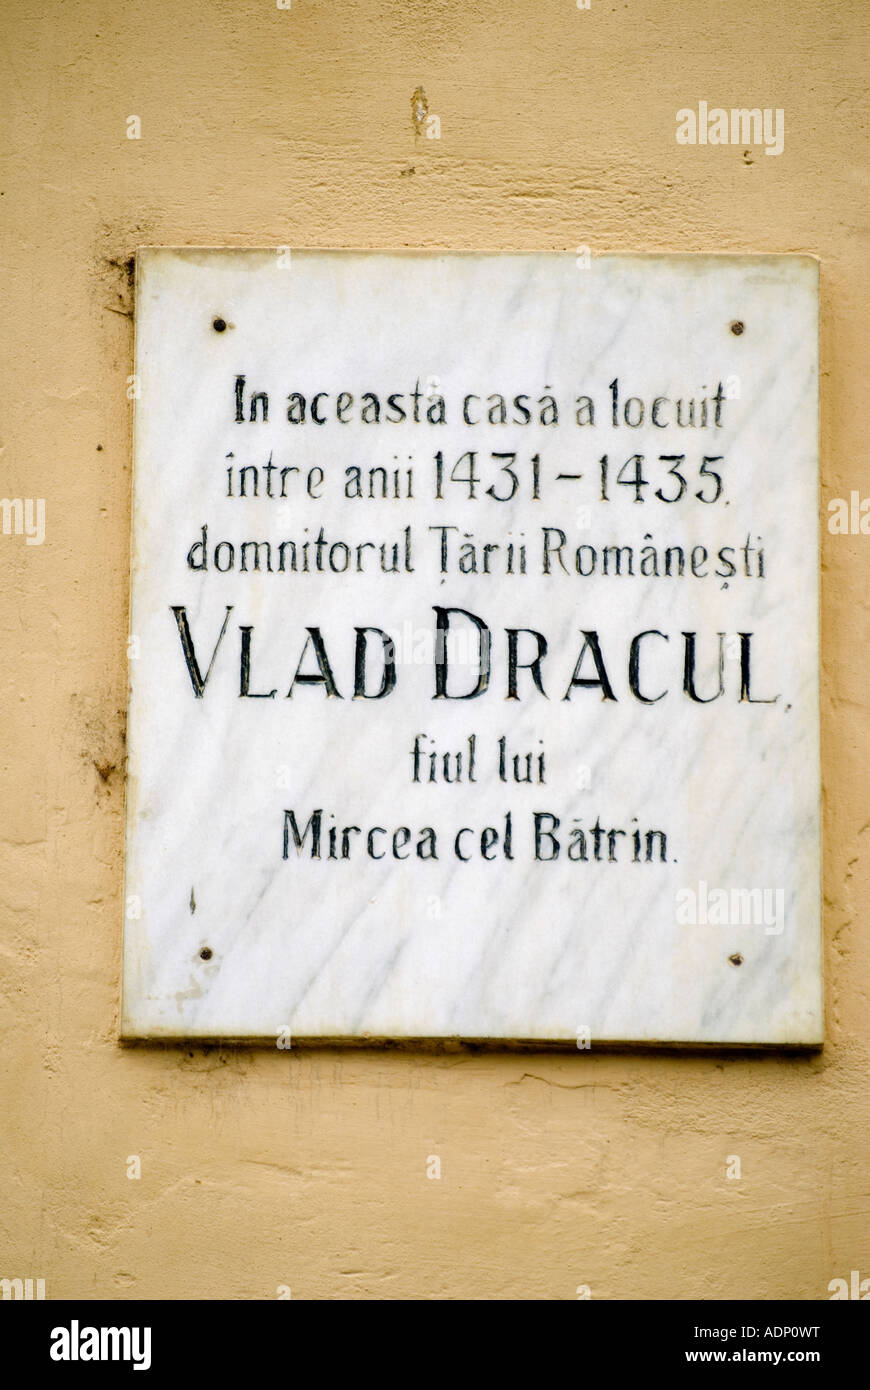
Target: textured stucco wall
(267,126)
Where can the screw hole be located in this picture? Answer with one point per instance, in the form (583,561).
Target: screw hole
(220,325)
(206,953)
(736,959)
(736,328)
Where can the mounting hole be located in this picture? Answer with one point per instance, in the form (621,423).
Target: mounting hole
(737,327)
(736,959)
(206,953)
(220,325)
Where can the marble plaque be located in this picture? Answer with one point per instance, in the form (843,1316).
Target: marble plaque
(474,648)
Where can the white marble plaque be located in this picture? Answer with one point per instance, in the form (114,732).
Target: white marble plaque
(474,649)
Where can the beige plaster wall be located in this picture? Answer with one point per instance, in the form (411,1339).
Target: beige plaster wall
(267,126)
